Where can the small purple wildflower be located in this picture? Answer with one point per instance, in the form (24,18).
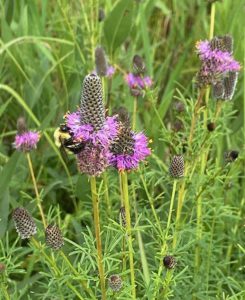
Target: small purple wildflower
(216,60)
(80,132)
(221,61)
(136,81)
(129,150)
(26,141)
(110,71)
(85,132)
(93,160)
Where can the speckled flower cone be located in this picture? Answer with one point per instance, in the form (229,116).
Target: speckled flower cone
(24,223)
(53,237)
(92,109)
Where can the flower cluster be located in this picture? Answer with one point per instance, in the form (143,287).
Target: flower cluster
(129,149)
(107,140)
(137,81)
(25,140)
(217,64)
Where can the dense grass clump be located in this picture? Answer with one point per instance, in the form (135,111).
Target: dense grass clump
(144,197)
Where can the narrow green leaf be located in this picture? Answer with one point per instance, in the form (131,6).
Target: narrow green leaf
(4,106)
(118,24)
(6,175)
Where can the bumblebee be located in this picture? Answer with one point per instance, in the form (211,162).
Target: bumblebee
(64,140)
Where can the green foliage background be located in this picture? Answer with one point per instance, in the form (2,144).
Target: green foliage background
(46,49)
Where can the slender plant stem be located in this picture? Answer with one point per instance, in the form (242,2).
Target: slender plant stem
(204,155)
(134,113)
(95,201)
(39,205)
(164,246)
(212,20)
(152,207)
(195,115)
(129,231)
(181,196)
(141,244)
(107,197)
(5,291)
(171,208)
(123,239)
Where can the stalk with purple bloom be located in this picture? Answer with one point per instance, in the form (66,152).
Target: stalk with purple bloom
(26,141)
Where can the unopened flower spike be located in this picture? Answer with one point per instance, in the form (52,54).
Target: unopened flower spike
(24,223)
(169,262)
(101,64)
(53,237)
(25,140)
(115,282)
(136,81)
(177,166)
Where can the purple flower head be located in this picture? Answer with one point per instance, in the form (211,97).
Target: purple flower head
(93,160)
(26,141)
(216,60)
(80,132)
(110,71)
(86,132)
(219,61)
(136,81)
(129,150)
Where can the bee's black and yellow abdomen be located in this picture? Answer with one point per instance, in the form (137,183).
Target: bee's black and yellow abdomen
(63,138)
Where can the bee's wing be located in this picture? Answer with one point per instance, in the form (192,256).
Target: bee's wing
(63,152)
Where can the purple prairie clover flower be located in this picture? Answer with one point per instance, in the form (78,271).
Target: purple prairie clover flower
(25,140)
(93,160)
(86,132)
(138,82)
(79,131)
(217,60)
(220,61)
(129,149)
(89,123)
(110,71)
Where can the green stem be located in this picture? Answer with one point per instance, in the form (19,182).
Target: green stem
(212,19)
(107,197)
(164,246)
(204,154)
(152,206)
(171,208)
(5,291)
(123,239)
(129,231)
(95,201)
(38,198)
(141,244)
(181,196)
(134,113)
